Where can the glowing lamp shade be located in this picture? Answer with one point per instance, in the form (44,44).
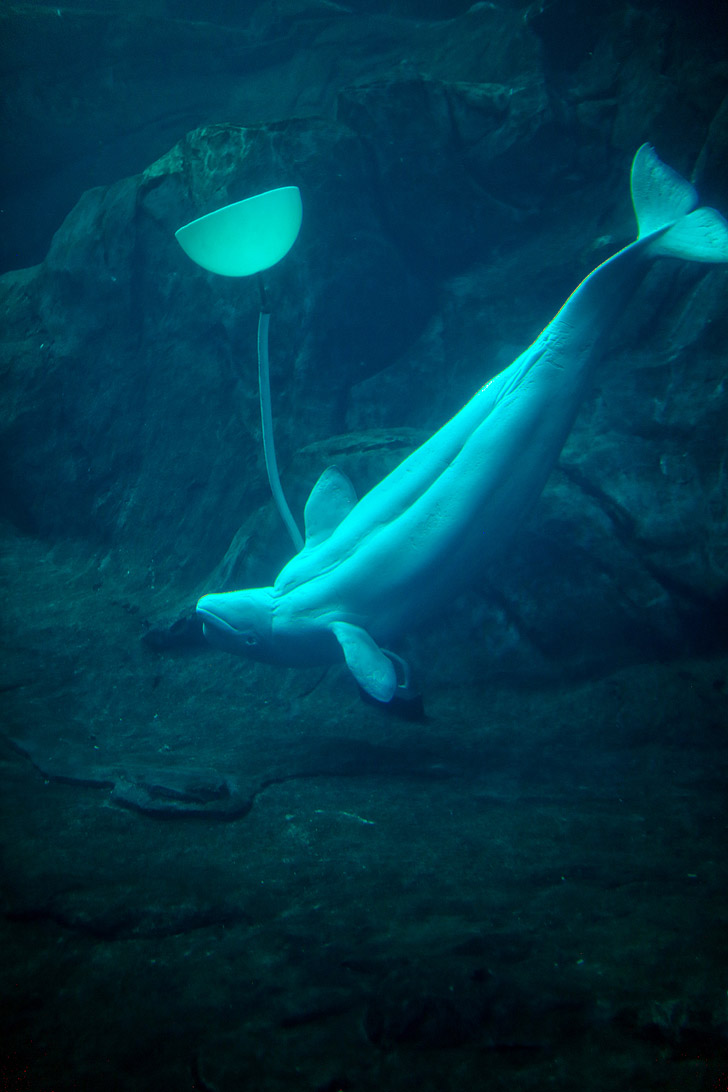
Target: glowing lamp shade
(246,237)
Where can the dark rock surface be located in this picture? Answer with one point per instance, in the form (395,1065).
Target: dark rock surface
(220,875)
(95,92)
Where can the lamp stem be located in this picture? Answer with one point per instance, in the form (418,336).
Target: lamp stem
(263,294)
(266,420)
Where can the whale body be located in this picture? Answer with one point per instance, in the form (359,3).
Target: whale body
(370,568)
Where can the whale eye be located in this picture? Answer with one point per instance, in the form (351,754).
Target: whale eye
(251,640)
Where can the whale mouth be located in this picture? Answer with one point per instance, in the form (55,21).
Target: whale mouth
(215,623)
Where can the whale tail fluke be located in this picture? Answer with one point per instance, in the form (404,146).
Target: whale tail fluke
(665,205)
(702,236)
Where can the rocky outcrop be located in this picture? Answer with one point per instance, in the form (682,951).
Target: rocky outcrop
(92,93)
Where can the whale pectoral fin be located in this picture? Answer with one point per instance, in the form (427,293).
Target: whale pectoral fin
(330,500)
(371,668)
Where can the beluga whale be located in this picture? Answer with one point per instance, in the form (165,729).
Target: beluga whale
(372,567)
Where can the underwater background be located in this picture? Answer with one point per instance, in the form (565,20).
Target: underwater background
(220,875)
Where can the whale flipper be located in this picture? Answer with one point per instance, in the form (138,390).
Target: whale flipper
(371,667)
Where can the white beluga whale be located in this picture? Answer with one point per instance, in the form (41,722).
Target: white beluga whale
(370,568)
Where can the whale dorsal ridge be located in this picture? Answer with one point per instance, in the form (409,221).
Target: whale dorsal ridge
(331,499)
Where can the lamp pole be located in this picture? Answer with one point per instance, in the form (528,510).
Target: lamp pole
(236,241)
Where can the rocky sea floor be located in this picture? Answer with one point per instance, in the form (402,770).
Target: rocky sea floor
(224,877)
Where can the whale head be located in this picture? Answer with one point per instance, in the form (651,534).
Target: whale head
(240,622)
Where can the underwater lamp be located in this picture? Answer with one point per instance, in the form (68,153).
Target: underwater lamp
(246,237)
(239,240)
